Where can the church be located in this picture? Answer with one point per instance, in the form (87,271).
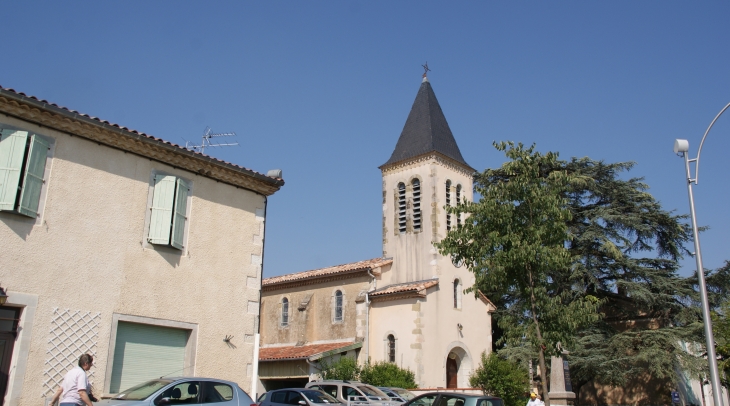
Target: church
(405,307)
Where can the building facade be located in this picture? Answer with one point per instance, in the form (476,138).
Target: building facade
(407,307)
(122,245)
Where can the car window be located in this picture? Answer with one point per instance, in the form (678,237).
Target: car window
(451,400)
(316,396)
(371,391)
(214,392)
(262,397)
(424,400)
(404,394)
(328,389)
(350,393)
(489,402)
(185,392)
(278,397)
(293,397)
(143,390)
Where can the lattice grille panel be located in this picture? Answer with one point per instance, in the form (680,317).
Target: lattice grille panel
(73,332)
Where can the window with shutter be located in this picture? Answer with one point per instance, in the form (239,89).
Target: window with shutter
(416,204)
(22,167)
(458,201)
(402,207)
(448,203)
(168,212)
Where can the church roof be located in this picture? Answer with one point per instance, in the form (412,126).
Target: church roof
(426,130)
(408,289)
(312,351)
(329,272)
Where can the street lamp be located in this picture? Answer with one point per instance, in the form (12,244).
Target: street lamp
(682,146)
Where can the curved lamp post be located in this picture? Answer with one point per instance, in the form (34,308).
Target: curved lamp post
(682,146)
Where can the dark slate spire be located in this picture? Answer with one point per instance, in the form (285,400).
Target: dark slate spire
(426,130)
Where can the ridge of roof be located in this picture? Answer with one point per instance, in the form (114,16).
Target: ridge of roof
(326,272)
(73,114)
(426,130)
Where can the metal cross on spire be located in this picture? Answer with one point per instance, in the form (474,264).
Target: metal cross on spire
(425,69)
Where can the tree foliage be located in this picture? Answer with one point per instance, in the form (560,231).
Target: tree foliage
(387,374)
(345,368)
(611,245)
(721,327)
(499,377)
(515,243)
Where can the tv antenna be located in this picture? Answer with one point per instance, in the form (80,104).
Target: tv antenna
(206,141)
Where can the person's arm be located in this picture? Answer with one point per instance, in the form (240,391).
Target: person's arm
(56,396)
(85,397)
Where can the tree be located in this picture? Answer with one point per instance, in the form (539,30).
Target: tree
(515,242)
(388,374)
(345,368)
(721,323)
(506,379)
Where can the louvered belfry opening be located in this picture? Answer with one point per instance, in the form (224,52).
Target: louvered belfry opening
(416,204)
(458,201)
(448,204)
(402,207)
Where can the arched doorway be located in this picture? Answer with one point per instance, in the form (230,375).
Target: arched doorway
(452,370)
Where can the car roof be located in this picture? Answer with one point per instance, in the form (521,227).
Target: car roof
(466,395)
(197,378)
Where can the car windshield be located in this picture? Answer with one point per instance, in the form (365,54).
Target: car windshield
(316,396)
(371,391)
(143,390)
(403,393)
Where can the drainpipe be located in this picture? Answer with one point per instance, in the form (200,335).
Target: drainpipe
(374,282)
(257,336)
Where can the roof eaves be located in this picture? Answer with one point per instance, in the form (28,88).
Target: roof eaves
(139,136)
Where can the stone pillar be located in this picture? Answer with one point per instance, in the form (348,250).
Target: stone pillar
(559,395)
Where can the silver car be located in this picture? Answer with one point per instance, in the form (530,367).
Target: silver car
(297,396)
(176,391)
(352,392)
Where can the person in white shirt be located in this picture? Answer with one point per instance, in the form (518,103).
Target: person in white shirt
(75,389)
(534,400)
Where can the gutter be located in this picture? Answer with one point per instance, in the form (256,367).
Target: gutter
(257,336)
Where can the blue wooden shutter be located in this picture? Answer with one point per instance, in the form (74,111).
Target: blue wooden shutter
(178,221)
(30,194)
(161,216)
(12,149)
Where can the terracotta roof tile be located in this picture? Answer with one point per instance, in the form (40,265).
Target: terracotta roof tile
(298,352)
(67,110)
(417,286)
(329,271)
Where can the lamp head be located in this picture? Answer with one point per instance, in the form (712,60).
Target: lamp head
(3,296)
(681,146)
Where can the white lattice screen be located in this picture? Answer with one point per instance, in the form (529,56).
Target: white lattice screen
(73,333)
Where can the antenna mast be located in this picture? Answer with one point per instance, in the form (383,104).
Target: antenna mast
(206,141)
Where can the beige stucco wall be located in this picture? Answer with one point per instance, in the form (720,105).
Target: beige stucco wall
(315,324)
(88,253)
(426,329)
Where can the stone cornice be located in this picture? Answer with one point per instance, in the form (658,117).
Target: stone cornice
(75,124)
(438,157)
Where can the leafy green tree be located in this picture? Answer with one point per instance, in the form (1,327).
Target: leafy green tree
(516,243)
(499,377)
(345,368)
(388,374)
(721,323)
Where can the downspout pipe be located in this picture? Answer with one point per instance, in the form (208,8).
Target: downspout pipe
(257,337)
(374,284)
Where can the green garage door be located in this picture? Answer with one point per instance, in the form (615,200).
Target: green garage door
(145,352)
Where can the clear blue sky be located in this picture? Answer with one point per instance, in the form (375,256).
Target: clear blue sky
(321,89)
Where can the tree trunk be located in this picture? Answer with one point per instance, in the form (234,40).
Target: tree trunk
(543,369)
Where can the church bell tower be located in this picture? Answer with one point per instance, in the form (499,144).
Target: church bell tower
(425,173)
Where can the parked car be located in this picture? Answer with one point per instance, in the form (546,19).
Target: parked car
(297,396)
(398,395)
(453,399)
(176,391)
(353,392)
